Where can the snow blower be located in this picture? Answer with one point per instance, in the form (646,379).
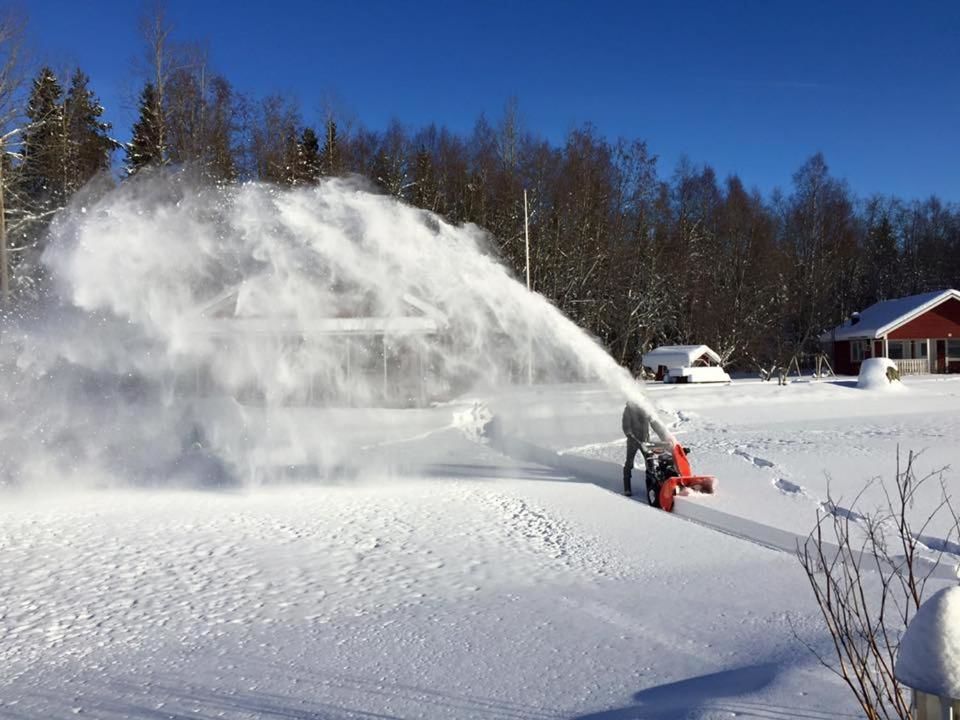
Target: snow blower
(668,474)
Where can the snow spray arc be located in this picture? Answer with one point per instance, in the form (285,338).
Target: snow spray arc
(326,296)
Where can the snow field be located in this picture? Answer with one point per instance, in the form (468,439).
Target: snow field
(408,599)
(462,581)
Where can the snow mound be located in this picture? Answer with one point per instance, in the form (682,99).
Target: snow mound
(929,658)
(879,374)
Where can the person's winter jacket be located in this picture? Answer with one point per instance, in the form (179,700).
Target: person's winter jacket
(636,423)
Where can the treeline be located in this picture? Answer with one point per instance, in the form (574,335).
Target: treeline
(635,256)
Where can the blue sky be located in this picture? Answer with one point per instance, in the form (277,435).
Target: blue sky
(752,88)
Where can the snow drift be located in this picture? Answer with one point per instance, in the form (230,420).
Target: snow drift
(125,373)
(879,374)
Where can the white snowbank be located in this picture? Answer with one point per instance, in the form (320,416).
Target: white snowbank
(698,375)
(929,658)
(873,375)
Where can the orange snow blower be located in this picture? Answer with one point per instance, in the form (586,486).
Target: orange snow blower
(668,473)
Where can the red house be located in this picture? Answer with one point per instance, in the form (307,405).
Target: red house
(920,333)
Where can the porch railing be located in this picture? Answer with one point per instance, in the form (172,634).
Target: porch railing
(918,366)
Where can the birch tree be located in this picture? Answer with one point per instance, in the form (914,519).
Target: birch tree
(10,81)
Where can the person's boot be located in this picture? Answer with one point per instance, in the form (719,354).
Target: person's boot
(627,490)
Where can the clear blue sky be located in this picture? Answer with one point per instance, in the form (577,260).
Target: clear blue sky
(751,88)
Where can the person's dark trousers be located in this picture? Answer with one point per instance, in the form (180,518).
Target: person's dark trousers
(633,447)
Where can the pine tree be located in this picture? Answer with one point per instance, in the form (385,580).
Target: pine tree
(89,145)
(145,148)
(42,170)
(307,170)
(330,160)
(38,182)
(425,187)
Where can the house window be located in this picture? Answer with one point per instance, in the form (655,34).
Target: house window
(859,350)
(953,349)
(907,349)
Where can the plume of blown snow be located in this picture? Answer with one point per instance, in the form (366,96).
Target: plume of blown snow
(138,371)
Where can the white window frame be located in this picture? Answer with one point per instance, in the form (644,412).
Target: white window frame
(903,345)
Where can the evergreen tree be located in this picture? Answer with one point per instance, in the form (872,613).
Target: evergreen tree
(38,181)
(145,148)
(307,169)
(89,145)
(42,170)
(330,160)
(425,187)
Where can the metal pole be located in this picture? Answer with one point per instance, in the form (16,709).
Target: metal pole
(4,260)
(385,384)
(526,235)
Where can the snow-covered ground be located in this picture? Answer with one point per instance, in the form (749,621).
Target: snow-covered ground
(452,579)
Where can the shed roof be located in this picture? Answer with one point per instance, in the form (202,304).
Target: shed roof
(223,327)
(886,316)
(219,317)
(677,356)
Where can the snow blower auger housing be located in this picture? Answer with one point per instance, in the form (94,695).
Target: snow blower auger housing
(668,473)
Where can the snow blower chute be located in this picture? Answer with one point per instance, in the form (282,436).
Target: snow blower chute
(668,474)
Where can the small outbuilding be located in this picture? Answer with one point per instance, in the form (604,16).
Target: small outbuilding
(382,354)
(685,364)
(920,333)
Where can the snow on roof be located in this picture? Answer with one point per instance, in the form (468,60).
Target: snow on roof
(677,356)
(929,658)
(884,317)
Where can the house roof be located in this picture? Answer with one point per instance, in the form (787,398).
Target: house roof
(885,317)
(677,356)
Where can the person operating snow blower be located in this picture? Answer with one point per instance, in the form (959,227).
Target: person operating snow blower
(636,426)
(667,470)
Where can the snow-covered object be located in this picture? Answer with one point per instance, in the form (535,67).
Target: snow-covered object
(929,658)
(674,356)
(874,375)
(473,421)
(698,374)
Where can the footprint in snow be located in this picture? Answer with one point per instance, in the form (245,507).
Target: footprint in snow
(842,512)
(758,461)
(788,488)
(939,544)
